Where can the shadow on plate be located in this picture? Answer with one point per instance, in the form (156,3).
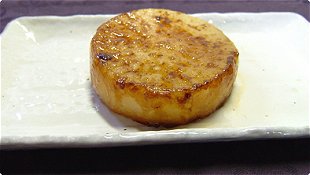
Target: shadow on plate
(113,119)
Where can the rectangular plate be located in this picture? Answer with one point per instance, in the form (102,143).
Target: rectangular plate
(47,99)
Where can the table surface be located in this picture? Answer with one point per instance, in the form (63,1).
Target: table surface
(286,156)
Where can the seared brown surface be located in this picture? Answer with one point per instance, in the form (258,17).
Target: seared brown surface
(162,67)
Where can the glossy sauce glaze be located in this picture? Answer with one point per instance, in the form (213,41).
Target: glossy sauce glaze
(162,52)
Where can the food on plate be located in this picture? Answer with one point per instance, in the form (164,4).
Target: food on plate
(161,67)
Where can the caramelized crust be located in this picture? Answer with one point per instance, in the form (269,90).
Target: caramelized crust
(161,67)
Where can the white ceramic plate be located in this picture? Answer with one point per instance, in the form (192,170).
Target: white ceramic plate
(47,100)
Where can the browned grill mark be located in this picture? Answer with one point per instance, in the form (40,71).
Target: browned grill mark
(163,21)
(158,18)
(194,27)
(172,75)
(230,59)
(196,86)
(121,83)
(186,96)
(104,56)
(211,65)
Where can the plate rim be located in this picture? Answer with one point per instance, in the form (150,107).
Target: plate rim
(122,139)
(112,15)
